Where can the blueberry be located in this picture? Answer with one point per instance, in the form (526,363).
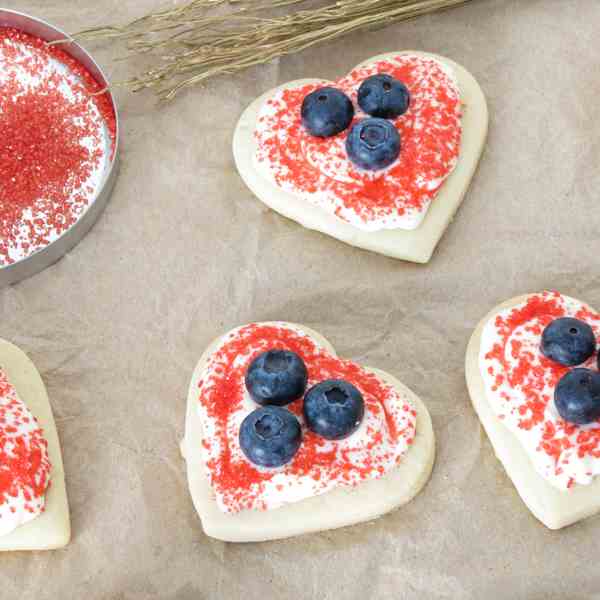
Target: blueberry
(276,377)
(568,341)
(270,436)
(577,396)
(326,112)
(333,409)
(373,144)
(383,96)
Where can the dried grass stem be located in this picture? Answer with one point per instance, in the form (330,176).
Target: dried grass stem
(192,44)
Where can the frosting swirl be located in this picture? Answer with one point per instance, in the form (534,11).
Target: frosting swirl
(319,170)
(24,461)
(520,381)
(383,437)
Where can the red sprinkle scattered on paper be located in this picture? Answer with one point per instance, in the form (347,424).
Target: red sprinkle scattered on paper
(46,116)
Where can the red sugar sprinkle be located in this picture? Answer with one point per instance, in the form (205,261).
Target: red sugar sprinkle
(238,480)
(44,164)
(24,463)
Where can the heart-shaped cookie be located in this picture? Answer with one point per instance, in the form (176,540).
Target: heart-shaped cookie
(35,482)
(381,466)
(552,462)
(402,210)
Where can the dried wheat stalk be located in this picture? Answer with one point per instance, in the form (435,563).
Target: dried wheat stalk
(206,38)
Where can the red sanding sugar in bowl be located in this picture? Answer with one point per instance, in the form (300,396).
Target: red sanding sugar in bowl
(56,141)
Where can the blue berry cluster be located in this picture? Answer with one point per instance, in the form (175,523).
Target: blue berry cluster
(372,143)
(570,342)
(271,435)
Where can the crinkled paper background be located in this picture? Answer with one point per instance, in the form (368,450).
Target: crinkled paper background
(184,252)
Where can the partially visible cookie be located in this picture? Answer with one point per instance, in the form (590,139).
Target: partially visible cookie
(34,512)
(513,376)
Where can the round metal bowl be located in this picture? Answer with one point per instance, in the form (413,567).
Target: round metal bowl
(44,257)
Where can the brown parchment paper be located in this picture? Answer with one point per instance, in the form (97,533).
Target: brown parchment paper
(184,252)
